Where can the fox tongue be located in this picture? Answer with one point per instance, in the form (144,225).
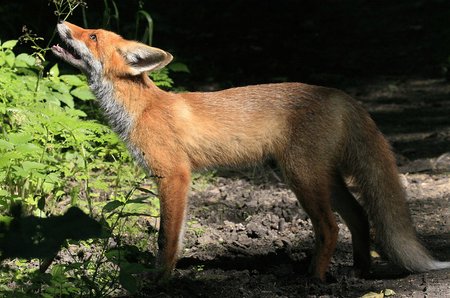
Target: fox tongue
(57,48)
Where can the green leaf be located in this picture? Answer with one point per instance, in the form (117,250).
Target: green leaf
(148,34)
(132,268)
(147,191)
(9,58)
(10,44)
(72,80)
(53,100)
(57,270)
(20,137)
(41,203)
(75,112)
(32,165)
(67,99)
(19,172)
(26,71)
(128,282)
(28,148)
(100,185)
(389,292)
(178,67)
(7,157)
(137,208)
(5,145)
(373,295)
(59,193)
(4,193)
(83,93)
(5,219)
(161,78)
(25,60)
(114,256)
(110,206)
(54,71)
(61,87)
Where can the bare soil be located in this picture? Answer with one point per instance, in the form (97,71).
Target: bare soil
(247,236)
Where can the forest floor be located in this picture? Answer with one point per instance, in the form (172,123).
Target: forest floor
(247,236)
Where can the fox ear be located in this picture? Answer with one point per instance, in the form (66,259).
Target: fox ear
(142,58)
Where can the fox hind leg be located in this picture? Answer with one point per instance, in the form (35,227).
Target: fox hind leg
(355,217)
(313,190)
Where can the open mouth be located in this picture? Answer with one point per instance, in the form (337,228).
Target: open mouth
(68,52)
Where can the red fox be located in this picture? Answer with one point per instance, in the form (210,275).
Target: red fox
(318,136)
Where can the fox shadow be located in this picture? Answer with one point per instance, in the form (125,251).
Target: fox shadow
(35,237)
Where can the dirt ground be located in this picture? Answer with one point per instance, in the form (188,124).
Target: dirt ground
(248,237)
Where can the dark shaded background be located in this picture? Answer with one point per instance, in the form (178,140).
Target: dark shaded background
(231,43)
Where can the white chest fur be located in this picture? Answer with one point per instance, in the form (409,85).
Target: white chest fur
(118,117)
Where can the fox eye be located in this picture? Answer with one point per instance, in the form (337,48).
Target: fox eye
(93,37)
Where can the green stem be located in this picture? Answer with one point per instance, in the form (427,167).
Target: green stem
(86,181)
(83,13)
(86,169)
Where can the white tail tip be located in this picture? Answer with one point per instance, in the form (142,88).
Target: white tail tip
(440,265)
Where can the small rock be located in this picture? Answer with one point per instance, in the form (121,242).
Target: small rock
(278,243)
(244,240)
(403,180)
(286,242)
(255,230)
(204,239)
(281,225)
(239,227)
(228,223)
(214,191)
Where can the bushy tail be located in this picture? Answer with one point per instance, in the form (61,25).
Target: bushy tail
(371,163)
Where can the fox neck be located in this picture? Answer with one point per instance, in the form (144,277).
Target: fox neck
(123,99)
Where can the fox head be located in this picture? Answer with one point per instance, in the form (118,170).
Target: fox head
(101,52)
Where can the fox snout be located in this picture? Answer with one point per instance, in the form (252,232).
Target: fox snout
(63,30)
(97,53)
(75,50)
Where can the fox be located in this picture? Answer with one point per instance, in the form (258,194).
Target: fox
(319,137)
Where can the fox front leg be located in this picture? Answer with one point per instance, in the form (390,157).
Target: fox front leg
(173,190)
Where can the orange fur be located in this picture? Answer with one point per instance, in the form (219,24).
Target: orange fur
(318,136)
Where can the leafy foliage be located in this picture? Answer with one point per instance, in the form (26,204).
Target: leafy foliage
(56,154)
(51,155)
(46,142)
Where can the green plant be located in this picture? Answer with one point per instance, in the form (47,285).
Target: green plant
(194,226)
(51,154)
(41,128)
(201,181)
(147,36)
(54,156)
